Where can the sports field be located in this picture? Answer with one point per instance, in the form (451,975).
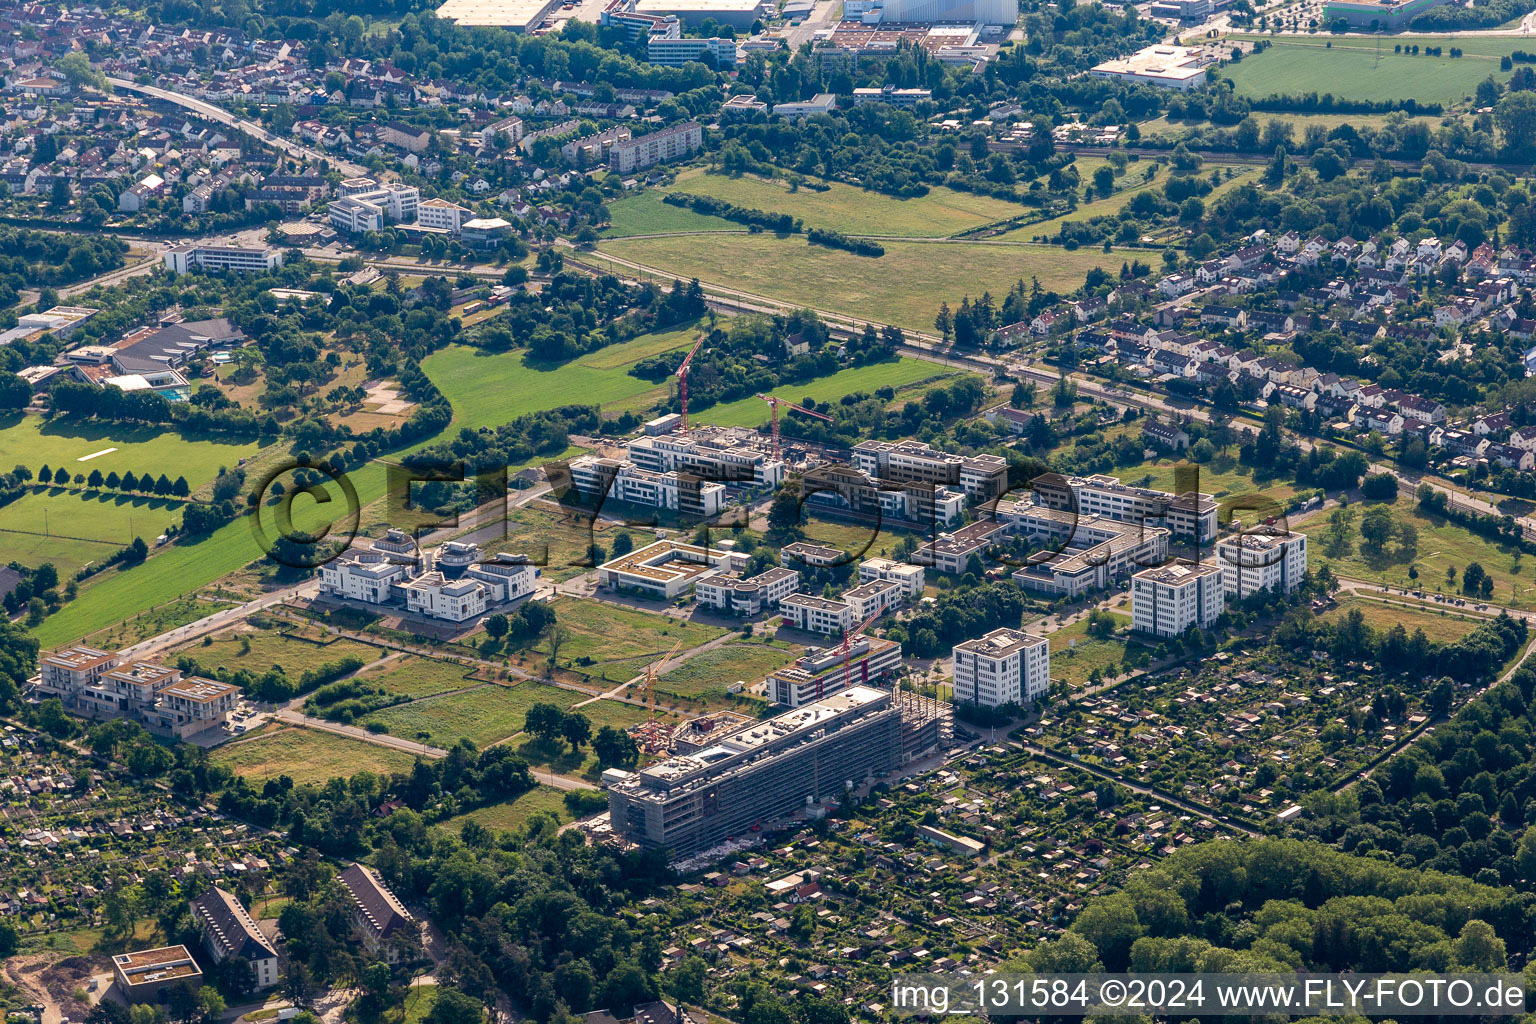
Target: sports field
(71,528)
(845,208)
(307,755)
(1353,69)
(903,287)
(34,442)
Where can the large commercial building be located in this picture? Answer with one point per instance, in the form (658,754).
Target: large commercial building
(1169,599)
(516,15)
(739,14)
(598,480)
(1390,15)
(1163,65)
(818,614)
(96,685)
(240,259)
(909,577)
(1075,554)
(666,569)
(1188,515)
(671,48)
(986,12)
(1254,562)
(729,593)
(981,476)
(689,803)
(228,931)
(735,456)
(453,583)
(819,672)
(1007,666)
(837,490)
(370,209)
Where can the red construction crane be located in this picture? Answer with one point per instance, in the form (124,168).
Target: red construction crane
(774,401)
(682,379)
(848,651)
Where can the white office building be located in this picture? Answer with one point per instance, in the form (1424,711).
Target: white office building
(599,479)
(1007,666)
(910,577)
(371,210)
(191,256)
(873,598)
(818,614)
(436,596)
(441,214)
(1188,515)
(729,593)
(1169,599)
(1254,562)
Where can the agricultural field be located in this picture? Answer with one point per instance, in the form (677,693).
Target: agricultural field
(1440,545)
(903,287)
(482,715)
(307,755)
(1438,623)
(1353,68)
(82,447)
(258,650)
(72,528)
(845,208)
(646,214)
(488,389)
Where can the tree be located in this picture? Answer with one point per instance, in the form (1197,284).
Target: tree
(544,720)
(454,1007)
(1438,700)
(577,729)
(1376,527)
(1379,487)
(623,544)
(615,748)
(496,626)
(784,512)
(1472,578)
(1515,116)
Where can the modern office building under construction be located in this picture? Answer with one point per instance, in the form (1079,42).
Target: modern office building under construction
(764,775)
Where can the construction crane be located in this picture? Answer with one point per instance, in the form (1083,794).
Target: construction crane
(682,379)
(774,401)
(650,682)
(848,636)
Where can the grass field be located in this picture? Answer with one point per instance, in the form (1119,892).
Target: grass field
(1075,654)
(260,650)
(307,755)
(1441,627)
(845,208)
(489,389)
(893,373)
(513,814)
(482,715)
(72,528)
(601,633)
(416,677)
(708,674)
(903,287)
(646,214)
(1441,545)
(1223,478)
(1127,188)
(35,442)
(1351,69)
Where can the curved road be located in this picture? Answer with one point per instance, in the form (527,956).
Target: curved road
(251,128)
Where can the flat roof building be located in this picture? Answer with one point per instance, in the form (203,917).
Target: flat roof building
(739,14)
(1257,561)
(1163,65)
(1169,599)
(241,259)
(666,569)
(143,976)
(516,15)
(1006,666)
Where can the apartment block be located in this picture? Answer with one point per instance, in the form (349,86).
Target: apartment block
(453,582)
(669,144)
(441,214)
(1169,599)
(229,931)
(239,259)
(1007,666)
(377,914)
(596,479)
(818,614)
(98,685)
(729,593)
(1258,561)
(727,456)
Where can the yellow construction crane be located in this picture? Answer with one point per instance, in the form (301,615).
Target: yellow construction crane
(650,681)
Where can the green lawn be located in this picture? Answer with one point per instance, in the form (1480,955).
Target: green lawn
(903,287)
(1075,654)
(308,755)
(1352,69)
(646,214)
(482,715)
(845,208)
(1223,478)
(416,677)
(34,442)
(601,632)
(1439,625)
(894,373)
(1127,187)
(708,674)
(1441,545)
(72,528)
(513,814)
(259,651)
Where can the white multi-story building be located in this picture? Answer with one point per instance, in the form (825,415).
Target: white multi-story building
(441,214)
(372,574)
(818,614)
(720,456)
(983,476)
(910,577)
(1186,515)
(228,931)
(1007,666)
(873,598)
(665,569)
(1254,562)
(727,592)
(1169,599)
(675,143)
(370,210)
(1073,554)
(453,600)
(675,50)
(94,684)
(240,259)
(598,479)
(818,673)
